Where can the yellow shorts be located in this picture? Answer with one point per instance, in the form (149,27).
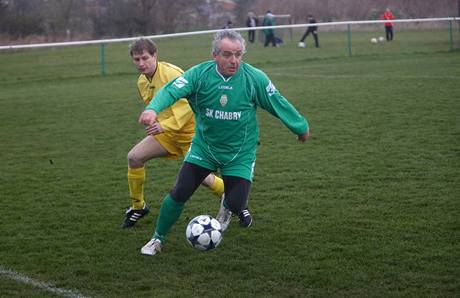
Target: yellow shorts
(177,145)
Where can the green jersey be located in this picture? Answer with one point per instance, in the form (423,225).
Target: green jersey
(225,108)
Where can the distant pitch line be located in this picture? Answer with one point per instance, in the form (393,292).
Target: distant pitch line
(16,276)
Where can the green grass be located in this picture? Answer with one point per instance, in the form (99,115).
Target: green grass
(369,207)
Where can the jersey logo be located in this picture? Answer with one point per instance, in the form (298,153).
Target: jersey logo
(271,89)
(223,100)
(180,82)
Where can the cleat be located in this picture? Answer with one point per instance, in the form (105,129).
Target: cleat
(245,218)
(152,247)
(133,215)
(224,216)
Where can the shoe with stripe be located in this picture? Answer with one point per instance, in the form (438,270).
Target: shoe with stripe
(245,218)
(133,215)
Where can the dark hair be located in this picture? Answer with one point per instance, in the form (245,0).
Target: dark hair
(142,44)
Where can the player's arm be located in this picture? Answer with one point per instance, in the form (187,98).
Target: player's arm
(181,87)
(269,98)
(170,93)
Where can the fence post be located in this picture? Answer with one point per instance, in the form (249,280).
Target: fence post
(102,58)
(349,39)
(451,37)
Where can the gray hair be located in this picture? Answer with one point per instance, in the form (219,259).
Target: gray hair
(230,34)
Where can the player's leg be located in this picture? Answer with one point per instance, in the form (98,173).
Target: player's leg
(236,198)
(213,182)
(143,151)
(239,178)
(215,185)
(189,178)
(315,36)
(273,39)
(251,36)
(304,36)
(267,39)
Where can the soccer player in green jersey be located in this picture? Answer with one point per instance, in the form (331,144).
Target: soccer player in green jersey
(224,94)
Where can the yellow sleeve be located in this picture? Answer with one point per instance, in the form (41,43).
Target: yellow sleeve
(181,116)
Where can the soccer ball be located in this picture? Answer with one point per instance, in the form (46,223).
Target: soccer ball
(381,39)
(374,40)
(204,232)
(301,45)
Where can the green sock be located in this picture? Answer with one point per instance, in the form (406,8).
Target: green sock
(170,211)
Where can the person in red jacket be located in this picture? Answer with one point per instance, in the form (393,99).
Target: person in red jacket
(388,15)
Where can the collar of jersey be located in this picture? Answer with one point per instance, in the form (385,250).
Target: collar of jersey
(223,78)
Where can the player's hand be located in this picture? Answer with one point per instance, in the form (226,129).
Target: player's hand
(154,129)
(303,137)
(148,117)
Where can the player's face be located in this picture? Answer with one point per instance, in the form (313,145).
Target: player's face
(145,63)
(229,58)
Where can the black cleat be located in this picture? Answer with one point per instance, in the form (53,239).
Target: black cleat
(133,215)
(245,218)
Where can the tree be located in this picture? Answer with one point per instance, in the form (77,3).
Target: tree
(21,18)
(58,16)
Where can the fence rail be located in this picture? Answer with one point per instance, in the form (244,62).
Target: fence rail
(116,40)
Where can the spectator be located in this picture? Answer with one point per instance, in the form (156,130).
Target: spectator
(388,15)
(269,20)
(229,25)
(251,22)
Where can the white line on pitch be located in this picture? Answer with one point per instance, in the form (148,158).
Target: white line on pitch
(39,284)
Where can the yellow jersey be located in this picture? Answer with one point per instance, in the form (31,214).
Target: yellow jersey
(178,120)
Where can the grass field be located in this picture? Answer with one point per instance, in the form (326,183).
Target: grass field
(369,207)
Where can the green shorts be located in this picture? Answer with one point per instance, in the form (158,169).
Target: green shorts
(239,165)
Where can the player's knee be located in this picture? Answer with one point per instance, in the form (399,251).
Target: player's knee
(208,181)
(133,159)
(180,193)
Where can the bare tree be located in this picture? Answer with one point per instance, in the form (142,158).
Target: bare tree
(60,19)
(57,16)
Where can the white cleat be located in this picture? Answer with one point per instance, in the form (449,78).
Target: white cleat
(152,247)
(224,216)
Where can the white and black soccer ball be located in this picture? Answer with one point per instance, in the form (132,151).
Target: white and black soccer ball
(374,40)
(381,39)
(301,45)
(204,232)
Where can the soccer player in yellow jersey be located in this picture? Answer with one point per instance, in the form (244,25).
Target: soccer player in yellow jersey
(170,137)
